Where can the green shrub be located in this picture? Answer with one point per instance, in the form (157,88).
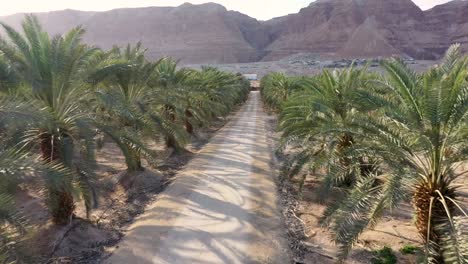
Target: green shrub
(384,256)
(409,249)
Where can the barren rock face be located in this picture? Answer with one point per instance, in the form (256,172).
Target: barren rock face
(209,33)
(450,22)
(383,27)
(192,33)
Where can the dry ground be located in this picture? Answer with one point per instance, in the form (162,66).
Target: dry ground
(222,208)
(87,241)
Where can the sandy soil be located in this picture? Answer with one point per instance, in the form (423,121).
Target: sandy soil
(221,209)
(87,241)
(84,241)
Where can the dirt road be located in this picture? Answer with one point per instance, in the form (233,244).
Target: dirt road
(220,209)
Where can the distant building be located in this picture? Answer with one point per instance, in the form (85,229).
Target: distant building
(251,76)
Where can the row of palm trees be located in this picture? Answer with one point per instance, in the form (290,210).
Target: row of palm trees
(60,98)
(379,140)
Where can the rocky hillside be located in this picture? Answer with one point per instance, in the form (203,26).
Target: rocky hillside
(209,33)
(192,33)
(363,28)
(450,24)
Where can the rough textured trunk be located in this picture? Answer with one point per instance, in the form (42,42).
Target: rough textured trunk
(346,141)
(63,206)
(428,218)
(134,161)
(188,125)
(171,143)
(61,202)
(170,140)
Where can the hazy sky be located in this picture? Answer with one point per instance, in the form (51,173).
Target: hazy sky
(260,9)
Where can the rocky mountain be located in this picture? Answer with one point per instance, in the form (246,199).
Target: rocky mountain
(450,24)
(192,33)
(209,33)
(358,28)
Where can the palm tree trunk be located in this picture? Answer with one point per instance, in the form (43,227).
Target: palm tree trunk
(61,202)
(346,141)
(188,125)
(428,217)
(62,206)
(134,161)
(171,142)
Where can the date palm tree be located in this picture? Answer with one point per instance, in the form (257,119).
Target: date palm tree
(170,84)
(128,108)
(214,94)
(316,122)
(420,134)
(53,91)
(276,88)
(194,98)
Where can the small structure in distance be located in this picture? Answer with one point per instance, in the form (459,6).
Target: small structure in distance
(254,82)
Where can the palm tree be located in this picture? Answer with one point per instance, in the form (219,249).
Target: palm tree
(224,88)
(170,84)
(195,102)
(195,98)
(276,88)
(128,108)
(316,121)
(213,94)
(420,134)
(52,70)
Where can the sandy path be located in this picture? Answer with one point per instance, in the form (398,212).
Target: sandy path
(220,209)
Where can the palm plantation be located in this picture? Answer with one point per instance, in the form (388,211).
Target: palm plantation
(414,126)
(375,139)
(317,119)
(124,106)
(59,96)
(278,89)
